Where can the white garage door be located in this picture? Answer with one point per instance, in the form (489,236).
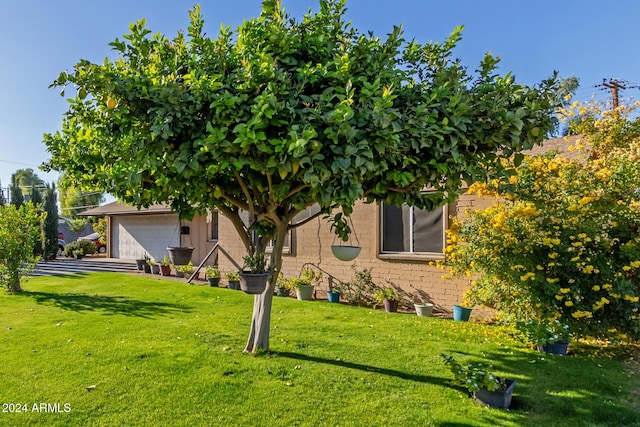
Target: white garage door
(135,236)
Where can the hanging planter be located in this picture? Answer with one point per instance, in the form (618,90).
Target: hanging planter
(254,279)
(253,283)
(180,255)
(347,252)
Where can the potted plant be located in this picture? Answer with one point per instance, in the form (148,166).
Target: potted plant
(345,252)
(482,384)
(461,312)
(213,275)
(165,266)
(423,309)
(153,265)
(233,278)
(333,294)
(140,262)
(184,270)
(255,274)
(389,298)
(304,285)
(283,286)
(146,266)
(549,336)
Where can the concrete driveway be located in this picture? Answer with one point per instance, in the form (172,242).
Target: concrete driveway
(61,266)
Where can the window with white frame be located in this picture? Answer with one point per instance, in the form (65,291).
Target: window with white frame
(409,230)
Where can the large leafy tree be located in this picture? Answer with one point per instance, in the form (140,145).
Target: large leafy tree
(284,114)
(19,231)
(74,200)
(25,181)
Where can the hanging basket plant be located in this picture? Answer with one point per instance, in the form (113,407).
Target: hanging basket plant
(344,228)
(255,275)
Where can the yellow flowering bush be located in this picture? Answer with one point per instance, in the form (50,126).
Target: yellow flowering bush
(562,240)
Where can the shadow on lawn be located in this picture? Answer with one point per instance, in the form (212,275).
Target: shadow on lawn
(107,304)
(367,368)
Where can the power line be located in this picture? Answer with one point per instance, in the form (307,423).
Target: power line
(615,86)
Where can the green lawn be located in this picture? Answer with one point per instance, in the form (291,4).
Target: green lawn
(124,350)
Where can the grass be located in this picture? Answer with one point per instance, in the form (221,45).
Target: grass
(125,350)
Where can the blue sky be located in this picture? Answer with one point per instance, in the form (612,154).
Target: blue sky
(589,39)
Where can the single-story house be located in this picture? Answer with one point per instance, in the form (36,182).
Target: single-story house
(398,244)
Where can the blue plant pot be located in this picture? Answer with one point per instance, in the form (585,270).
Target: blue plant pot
(460,313)
(333,296)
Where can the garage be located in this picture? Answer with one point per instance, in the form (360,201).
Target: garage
(133,236)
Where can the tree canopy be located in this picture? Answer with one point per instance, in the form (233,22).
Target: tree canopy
(283,114)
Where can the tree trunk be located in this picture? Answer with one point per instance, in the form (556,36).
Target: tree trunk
(261,318)
(13,284)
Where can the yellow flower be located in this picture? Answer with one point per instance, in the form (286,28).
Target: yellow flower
(565,290)
(581,314)
(631,298)
(596,288)
(568,303)
(553,255)
(559,297)
(607,286)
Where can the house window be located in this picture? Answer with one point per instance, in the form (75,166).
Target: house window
(409,230)
(212,225)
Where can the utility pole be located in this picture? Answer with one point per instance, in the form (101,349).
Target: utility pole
(614,85)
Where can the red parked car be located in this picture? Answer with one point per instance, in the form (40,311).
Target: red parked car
(94,238)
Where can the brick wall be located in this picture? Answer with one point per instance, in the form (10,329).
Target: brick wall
(311,245)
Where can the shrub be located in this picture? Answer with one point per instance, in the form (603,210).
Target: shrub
(361,290)
(562,242)
(86,246)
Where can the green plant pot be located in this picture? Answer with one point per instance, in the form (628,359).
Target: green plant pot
(234,284)
(213,281)
(333,296)
(345,253)
(304,292)
(461,314)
